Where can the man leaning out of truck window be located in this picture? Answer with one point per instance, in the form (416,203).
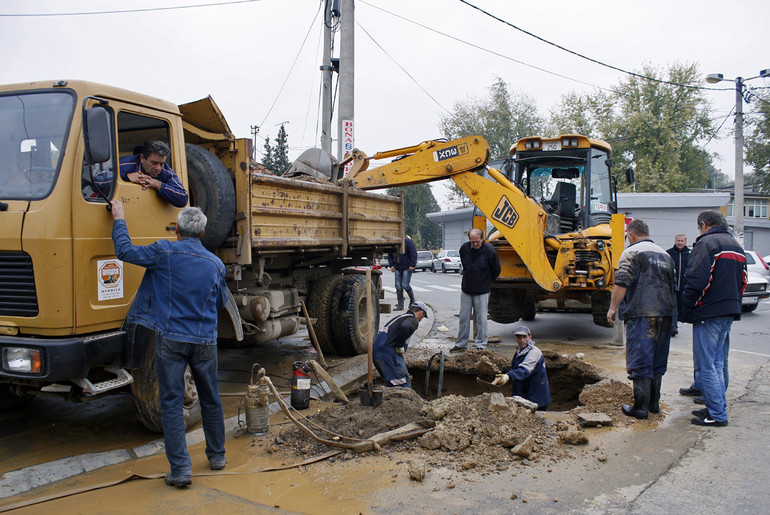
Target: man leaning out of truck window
(150,169)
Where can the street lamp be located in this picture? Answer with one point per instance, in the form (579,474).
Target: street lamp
(713,78)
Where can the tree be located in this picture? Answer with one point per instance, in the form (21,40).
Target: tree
(502,119)
(757,140)
(419,201)
(276,157)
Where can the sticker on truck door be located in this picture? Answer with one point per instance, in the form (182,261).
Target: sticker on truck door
(110,274)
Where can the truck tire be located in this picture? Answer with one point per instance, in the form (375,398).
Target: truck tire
(349,321)
(9,400)
(319,306)
(144,390)
(212,190)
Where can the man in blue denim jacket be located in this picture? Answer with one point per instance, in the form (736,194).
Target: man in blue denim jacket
(178,298)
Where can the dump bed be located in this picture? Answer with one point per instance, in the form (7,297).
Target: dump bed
(306,215)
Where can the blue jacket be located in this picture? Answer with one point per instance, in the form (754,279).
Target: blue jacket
(529,376)
(171,189)
(716,277)
(181,290)
(407,259)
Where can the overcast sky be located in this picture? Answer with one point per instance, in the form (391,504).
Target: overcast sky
(241,54)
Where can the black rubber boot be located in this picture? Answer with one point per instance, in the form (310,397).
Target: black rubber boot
(400,297)
(655,393)
(411,297)
(641,399)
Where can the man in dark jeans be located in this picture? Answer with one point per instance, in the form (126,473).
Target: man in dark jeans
(402,266)
(182,288)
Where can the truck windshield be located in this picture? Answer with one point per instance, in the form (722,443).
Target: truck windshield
(33,131)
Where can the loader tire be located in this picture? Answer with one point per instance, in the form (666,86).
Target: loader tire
(9,400)
(212,190)
(349,324)
(144,390)
(502,306)
(319,306)
(600,304)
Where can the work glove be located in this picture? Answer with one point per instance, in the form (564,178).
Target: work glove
(501,379)
(400,351)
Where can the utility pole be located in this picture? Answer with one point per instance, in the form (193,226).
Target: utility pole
(345,118)
(330,15)
(254,132)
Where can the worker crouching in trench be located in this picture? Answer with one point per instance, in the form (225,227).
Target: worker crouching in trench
(392,342)
(527,373)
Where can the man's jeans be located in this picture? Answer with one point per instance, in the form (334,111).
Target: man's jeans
(479,304)
(403,280)
(647,344)
(172,358)
(710,346)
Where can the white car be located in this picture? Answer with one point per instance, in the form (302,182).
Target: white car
(756,290)
(756,265)
(447,260)
(424,260)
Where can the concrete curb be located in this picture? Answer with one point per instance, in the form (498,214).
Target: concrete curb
(22,480)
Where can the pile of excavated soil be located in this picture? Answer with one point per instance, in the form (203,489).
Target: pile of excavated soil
(485,432)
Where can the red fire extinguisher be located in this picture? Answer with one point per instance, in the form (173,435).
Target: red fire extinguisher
(300,386)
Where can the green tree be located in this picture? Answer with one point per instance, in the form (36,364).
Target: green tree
(502,119)
(757,140)
(276,157)
(419,201)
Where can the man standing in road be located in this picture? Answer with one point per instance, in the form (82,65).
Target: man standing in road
(150,169)
(680,253)
(644,291)
(711,300)
(402,265)
(182,288)
(481,266)
(392,342)
(530,379)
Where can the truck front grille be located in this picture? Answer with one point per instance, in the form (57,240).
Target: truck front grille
(18,297)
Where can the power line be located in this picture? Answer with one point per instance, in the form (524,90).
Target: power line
(600,63)
(703,147)
(478,47)
(124,11)
(403,69)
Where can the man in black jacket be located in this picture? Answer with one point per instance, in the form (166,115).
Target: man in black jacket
(680,253)
(481,266)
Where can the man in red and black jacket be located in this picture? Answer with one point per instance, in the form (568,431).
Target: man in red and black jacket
(711,300)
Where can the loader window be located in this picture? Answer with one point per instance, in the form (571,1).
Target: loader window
(33,132)
(601,192)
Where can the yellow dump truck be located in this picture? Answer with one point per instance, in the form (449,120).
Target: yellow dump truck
(64,295)
(552,206)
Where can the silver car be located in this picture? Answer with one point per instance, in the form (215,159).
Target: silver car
(756,290)
(424,260)
(447,260)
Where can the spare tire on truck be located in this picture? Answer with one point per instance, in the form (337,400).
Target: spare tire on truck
(212,190)
(146,395)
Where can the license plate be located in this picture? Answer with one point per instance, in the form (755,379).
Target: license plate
(551,145)
(749,301)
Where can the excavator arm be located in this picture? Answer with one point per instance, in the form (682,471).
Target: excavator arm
(520,219)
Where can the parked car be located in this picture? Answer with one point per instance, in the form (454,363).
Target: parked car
(757,265)
(384,261)
(424,260)
(447,260)
(756,290)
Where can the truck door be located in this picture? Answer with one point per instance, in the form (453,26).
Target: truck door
(106,286)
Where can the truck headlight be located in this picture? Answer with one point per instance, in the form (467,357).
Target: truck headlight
(21,359)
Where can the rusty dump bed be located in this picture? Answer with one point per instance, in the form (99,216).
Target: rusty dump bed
(308,214)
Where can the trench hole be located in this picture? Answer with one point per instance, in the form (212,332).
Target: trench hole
(566,380)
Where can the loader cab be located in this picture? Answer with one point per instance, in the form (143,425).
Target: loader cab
(569,176)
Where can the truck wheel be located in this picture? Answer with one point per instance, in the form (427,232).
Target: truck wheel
(9,400)
(349,320)
(319,306)
(147,399)
(212,190)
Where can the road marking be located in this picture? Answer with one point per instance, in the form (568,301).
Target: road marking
(749,352)
(456,288)
(420,289)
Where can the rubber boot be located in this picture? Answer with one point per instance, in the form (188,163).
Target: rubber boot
(655,393)
(400,297)
(641,399)
(411,297)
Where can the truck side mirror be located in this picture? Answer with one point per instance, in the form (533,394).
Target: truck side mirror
(96,131)
(630,176)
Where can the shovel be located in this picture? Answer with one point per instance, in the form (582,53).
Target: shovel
(369,396)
